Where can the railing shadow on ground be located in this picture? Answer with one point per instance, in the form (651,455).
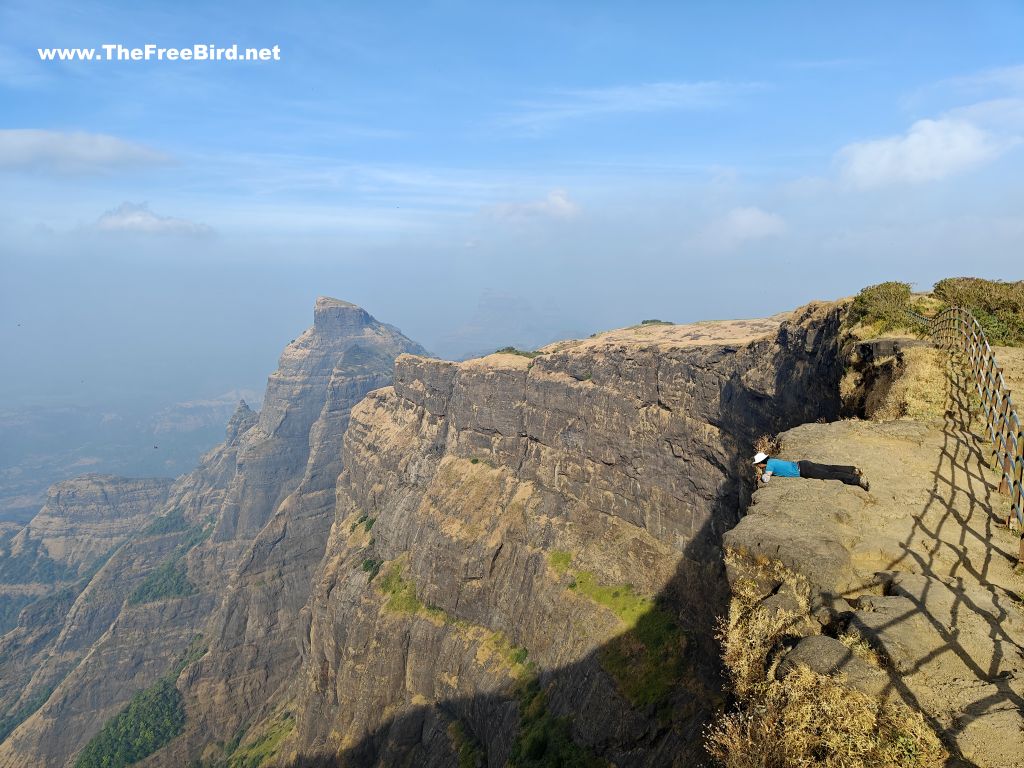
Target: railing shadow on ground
(957,523)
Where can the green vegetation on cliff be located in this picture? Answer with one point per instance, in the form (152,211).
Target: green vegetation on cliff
(253,755)
(544,740)
(401,592)
(152,717)
(998,306)
(32,564)
(647,662)
(173,522)
(22,713)
(169,580)
(468,750)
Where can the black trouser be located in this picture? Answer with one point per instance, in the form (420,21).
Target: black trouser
(839,472)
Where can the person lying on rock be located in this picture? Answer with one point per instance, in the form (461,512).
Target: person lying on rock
(769,467)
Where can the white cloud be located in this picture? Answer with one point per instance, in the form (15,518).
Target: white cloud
(742,225)
(136,217)
(557,205)
(929,150)
(563,106)
(71,152)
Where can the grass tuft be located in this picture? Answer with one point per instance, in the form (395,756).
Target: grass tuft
(560,560)
(401,592)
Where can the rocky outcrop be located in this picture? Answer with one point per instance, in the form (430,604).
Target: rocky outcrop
(133,620)
(82,521)
(914,575)
(48,563)
(516,540)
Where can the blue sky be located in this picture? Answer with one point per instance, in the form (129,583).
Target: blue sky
(482,173)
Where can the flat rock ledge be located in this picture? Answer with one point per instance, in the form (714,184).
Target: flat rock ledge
(917,570)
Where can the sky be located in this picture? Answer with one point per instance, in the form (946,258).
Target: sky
(480,173)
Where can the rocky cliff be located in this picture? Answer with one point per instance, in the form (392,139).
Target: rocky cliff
(514,541)
(514,559)
(172,580)
(50,561)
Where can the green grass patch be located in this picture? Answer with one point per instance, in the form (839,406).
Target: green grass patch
(401,592)
(266,746)
(368,524)
(648,661)
(560,560)
(168,580)
(621,599)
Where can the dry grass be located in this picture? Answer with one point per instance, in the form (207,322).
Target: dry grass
(812,719)
(807,718)
(861,649)
(918,391)
(767,444)
(751,632)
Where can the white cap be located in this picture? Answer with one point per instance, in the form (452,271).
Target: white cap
(760,457)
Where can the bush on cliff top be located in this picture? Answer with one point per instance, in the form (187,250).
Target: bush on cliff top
(999,306)
(884,305)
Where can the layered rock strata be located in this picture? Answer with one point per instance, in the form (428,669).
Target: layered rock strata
(524,553)
(174,581)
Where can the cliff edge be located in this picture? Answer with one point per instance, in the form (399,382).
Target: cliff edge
(908,591)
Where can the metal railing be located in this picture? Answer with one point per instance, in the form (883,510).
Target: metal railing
(956,329)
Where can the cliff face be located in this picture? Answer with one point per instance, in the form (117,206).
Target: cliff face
(84,518)
(47,564)
(517,540)
(516,557)
(173,580)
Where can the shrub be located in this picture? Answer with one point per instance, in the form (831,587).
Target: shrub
(999,306)
(372,567)
(884,305)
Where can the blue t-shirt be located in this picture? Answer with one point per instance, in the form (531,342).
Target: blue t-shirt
(780,468)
